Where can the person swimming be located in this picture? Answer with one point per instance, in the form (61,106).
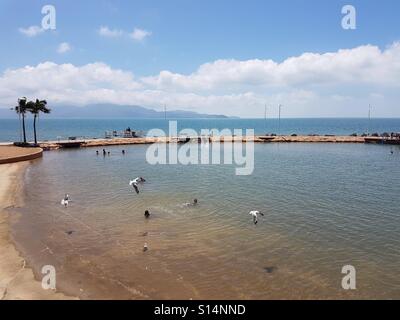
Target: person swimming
(97,152)
(191,204)
(147,214)
(123,151)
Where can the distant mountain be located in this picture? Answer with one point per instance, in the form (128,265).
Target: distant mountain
(113,111)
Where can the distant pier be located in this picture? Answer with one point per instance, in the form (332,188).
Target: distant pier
(51,145)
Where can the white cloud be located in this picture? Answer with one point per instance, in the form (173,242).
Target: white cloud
(32,31)
(63,47)
(140,34)
(364,65)
(340,83)
(111,33)
(137,34)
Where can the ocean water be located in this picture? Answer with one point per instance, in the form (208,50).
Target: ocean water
(52,129)
(325,205)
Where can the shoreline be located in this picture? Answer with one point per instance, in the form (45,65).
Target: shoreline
(17,280)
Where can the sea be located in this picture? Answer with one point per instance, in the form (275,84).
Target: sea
(54,129)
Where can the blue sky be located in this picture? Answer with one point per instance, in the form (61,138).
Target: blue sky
(183,35)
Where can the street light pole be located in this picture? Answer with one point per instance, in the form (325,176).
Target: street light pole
(265,119)
(279,121)
(369,119)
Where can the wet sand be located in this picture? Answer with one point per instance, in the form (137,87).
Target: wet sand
(17,280)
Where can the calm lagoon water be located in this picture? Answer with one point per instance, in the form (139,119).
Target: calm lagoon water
(51,129)
(326,206)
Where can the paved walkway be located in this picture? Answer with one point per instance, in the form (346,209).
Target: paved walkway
(10,154)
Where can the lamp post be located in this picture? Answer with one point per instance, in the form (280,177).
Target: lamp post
(265,119)
(279,120)
(369,119)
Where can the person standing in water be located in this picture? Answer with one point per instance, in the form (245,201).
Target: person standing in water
(147,214)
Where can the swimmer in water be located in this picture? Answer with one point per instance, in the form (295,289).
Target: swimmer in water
(97,152)
(147,214)
(123,151)
(191,204)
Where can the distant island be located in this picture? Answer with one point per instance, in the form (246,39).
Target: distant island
(100,111)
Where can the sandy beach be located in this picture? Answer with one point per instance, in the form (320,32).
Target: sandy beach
(17,280)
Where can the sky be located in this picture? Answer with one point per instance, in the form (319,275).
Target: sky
(220,56)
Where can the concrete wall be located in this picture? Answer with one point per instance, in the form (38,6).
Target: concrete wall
(27,157)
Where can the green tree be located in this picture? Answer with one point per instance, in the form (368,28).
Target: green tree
(37,107)
(21,110)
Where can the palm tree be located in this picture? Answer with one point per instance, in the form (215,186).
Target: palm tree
(36,108)
(21,110)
